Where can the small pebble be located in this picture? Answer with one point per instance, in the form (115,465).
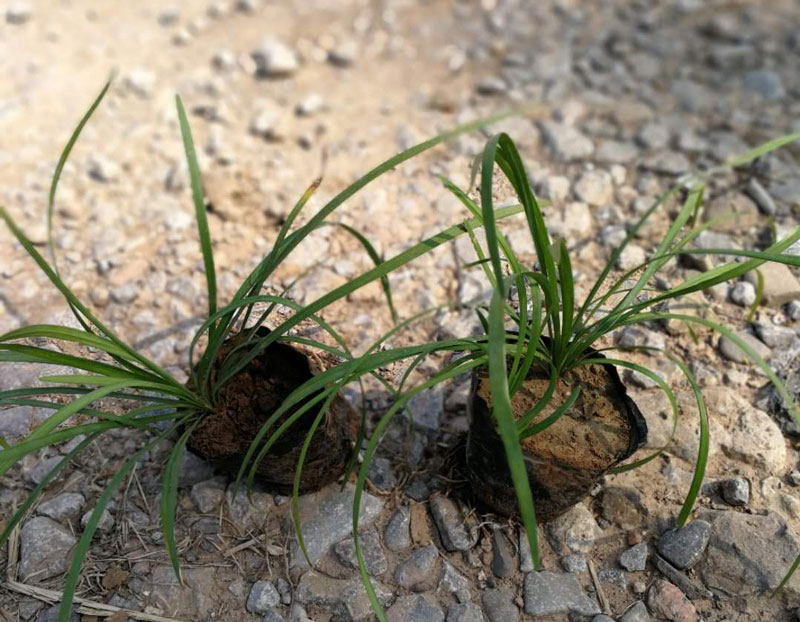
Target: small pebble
(18,13)
(743,294)
(736,491)
(683,547)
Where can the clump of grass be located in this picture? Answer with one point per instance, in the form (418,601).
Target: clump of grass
(155,400)
(552,330)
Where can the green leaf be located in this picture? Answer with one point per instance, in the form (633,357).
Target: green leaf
(374,274)
(71,581)
(761,150)
(31,498)
(506,427)
(554,416)
(169,498)
(62,160)
(199,207)
(703,445)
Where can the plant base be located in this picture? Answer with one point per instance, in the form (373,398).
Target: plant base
(246,403)
(564,462)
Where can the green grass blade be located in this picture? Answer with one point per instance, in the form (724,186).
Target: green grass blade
(62,160)
(787,577)
(506,427)
(31,498)
(130,353)
(702,450)
(554,416)
(298,472)
(199,207)
(376,258)
(543,401)
(31,354)
(567,296)
(374,274)
(759,296)
(71,582)
(661,384)
(169,499)
(761,150)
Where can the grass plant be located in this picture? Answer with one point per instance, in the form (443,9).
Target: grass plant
(154,400)
(550,328)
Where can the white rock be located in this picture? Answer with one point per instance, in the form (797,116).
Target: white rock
(104,170)
(631,257)
(595,188)
(753,438)
(574,531)
(310,105)
(743,294)
(18,13)
(141,82)
(275,59)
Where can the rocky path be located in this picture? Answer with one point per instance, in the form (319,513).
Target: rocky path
(635,93)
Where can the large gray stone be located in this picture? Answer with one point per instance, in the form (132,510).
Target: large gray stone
(416,572)
(15,422)
(502,555)
(456,535)
(732,352)
(67,505)
(547,593)
(252,513)
(766,83)
(752,436)
(499,605)
(263,596)
(45,547)
(374,559)
(637,612)
(465,612)
(780,283)
(425,409)
(635,558)
(748,553)
(415,608)
(683,547)
(343,598)
(326,518)
(51,614)
(566,142)
(735,491)
(208,495)
(397,536)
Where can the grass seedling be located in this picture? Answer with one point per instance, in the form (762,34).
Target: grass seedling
(235,338)
(553,333)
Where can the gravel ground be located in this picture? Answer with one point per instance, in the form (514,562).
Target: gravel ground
(632,95)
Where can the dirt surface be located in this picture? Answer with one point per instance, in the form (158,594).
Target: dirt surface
(630,95)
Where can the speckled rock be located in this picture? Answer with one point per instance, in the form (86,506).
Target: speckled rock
(551,592)
(415,608)
(456,536)
(327,519)
(683,547)
(748,553)
(44,549)
(666,600)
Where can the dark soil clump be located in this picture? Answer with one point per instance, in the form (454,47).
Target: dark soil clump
(247,402)
(564,461)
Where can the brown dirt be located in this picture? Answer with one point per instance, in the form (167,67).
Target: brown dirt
(590,435)
(567,459)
